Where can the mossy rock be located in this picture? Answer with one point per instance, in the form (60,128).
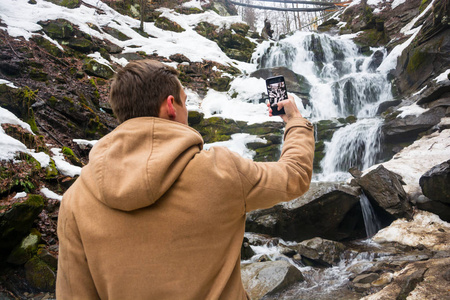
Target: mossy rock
(19,102)
(58,29)
(94,68)
(16,222)
(372,38)
(48,46)
(195,117)
(51,172)
(30,140)
(325,129)
(221,84)
(38,75)
(116,33)
(166,24)
(207,30)
(67,3)
(256,145)
(188,10)
(81,44)
(26,249)
(269,153)
(318,155)
(240,28)
(69,155)
(216,129)
(327,25)
(265,128)
(40,275)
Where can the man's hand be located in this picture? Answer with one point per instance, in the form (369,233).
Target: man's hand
(290,108)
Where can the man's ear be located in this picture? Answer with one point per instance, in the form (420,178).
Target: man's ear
(171,112)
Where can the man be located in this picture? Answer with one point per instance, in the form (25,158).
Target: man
(153,216)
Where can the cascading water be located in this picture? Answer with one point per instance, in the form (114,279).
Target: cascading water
(343,83)
(370,218)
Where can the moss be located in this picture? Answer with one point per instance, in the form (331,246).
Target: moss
(423,5)
(51,172)
(52,101)
(68,153)
(68,100)
(269,153)
(40,275)
(166,24)
(417,59)
(28,98)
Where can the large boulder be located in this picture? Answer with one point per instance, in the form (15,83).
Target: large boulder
(328,210)
(268,278)
(435,184)
(384,190)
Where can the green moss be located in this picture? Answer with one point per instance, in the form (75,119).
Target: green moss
(52,101)
(40,275)
(166,24)
(417,59)
(51,172)
(423,5)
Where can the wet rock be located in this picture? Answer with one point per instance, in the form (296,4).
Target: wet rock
(384,189)
(328,210)
(387,104)
(323,252)
(266,278)
(377,59)
(246,251)
(116,33)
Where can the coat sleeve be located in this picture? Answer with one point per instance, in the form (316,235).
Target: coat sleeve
(74,280)
(266,184)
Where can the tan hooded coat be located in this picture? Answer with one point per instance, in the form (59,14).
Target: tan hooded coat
(153,216)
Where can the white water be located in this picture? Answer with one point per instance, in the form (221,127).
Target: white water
(343,83)
(370,218)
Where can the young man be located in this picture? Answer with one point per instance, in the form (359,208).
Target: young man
(153,216)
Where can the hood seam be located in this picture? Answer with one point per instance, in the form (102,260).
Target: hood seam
(150,193)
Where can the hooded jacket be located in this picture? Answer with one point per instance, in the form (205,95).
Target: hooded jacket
(153,216)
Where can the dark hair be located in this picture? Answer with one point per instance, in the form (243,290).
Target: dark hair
(139,89)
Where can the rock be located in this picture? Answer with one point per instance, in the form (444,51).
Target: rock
(116,33)
(25,250)
(420,280)
(266,278)
(323,252)
(16,222)
(166,24)
(384,189)
(246,251)
(386,104)
(328,210)
(436,207)
(67,3)
(94,68)
(216,129)
(40,275)
(366,278)
(59,29)
(435,183)
(377,59)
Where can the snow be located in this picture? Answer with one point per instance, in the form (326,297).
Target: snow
(8,83)
(85,142)
(390,62)
(62,165)
(410,25)
(50,194)
(237,144)
(413,161)
(411,110)
(20,195)
(425,229)
(396,3)
(442,77)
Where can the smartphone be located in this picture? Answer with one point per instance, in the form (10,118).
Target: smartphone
(276,90)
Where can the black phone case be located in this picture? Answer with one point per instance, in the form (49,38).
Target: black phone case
(279,91)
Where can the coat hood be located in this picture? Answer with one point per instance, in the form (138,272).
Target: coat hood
(134,165)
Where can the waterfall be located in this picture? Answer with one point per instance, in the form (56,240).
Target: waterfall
(343,83)
(371,221)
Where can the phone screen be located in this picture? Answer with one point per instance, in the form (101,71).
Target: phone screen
(276,90)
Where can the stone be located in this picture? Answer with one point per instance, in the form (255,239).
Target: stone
(327,210)
(16,222)
(25,250)
(40,275)
(435,183)
(266,278)
(94,68)
(366,278)
(384,189)
(246,251)
(324,252)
